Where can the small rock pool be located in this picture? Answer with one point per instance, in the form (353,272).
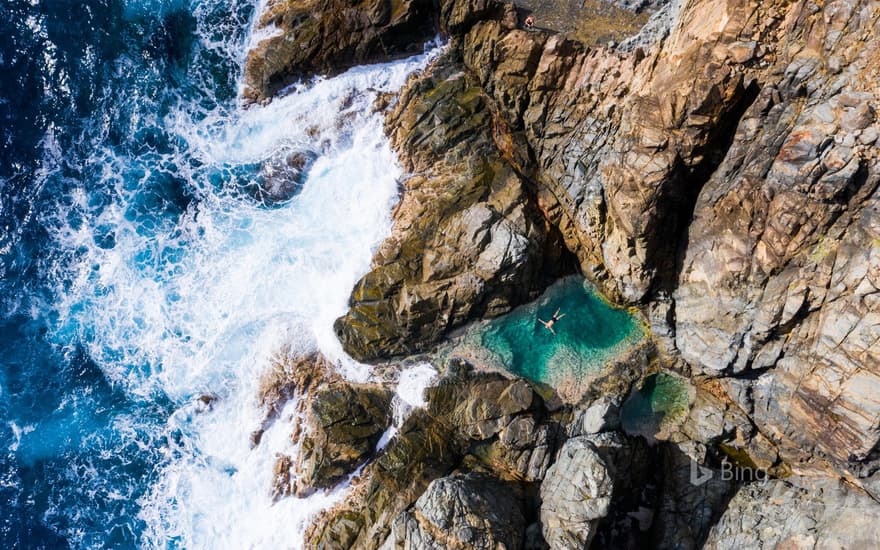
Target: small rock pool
(590,333)
(652,409)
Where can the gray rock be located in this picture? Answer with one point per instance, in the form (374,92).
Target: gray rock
(798,513)
(462,511)
(692,496)
(602,415)
(575,495)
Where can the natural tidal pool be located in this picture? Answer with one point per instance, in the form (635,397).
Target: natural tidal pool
(660,402)
(589,333)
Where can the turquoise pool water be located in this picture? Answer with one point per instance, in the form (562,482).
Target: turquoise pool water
(662,400)
(589,334)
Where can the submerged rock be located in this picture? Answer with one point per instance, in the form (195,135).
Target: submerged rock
(283,176)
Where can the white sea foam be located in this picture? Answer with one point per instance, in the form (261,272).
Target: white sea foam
(410,394)
(248,281)
(198,302)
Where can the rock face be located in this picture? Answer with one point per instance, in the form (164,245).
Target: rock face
(343,425)
(340,422)
(797,513)
(306,37)
(464,410)
(462,511)
(467,239)
(487,465)
(718,170)
(575,495)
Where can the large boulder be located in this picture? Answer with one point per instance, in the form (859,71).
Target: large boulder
(576,495)
(344,422)
(465,409)
(462,511)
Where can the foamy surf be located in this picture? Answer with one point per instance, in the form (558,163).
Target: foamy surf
(258,279)
(166,278)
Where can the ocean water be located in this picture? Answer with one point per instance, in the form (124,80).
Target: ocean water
(141,268)
(590,333)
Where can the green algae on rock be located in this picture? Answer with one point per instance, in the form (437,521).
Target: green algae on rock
(660,403)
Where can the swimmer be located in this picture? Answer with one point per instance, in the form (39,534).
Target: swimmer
(549,324)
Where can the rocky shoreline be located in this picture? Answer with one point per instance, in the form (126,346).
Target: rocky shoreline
(718,171)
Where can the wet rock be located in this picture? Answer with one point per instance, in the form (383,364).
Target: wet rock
(205,402)
(304,38)
(344,422)
(282,177)
(289,375)
(467,240)
(464,409)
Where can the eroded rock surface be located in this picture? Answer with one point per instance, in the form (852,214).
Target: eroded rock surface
(467,239)
(462,511)
(344,422)
(719,170)
(798,513)
(338,422)
(301,38)
(575,495)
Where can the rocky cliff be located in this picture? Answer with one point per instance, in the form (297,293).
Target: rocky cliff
(719,170)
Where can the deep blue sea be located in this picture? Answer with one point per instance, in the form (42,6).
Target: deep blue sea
(139,269)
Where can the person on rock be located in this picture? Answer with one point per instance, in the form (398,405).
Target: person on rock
(530,22)
(549,324)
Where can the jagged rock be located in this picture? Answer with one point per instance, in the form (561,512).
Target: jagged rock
(464,408)
(523,450)
(344,422)
(475,421)
(721,171)
(467,241)
(602,415)
(576,495)
(289,375)
(282,177)
(798,513)
(782,265)
(596,479)
(462,511)
(308,37)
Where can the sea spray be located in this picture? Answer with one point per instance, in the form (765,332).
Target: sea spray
(140,274)
(260,278)
(410,394)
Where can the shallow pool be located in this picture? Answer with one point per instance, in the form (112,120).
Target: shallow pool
(660,402)
(589,332)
